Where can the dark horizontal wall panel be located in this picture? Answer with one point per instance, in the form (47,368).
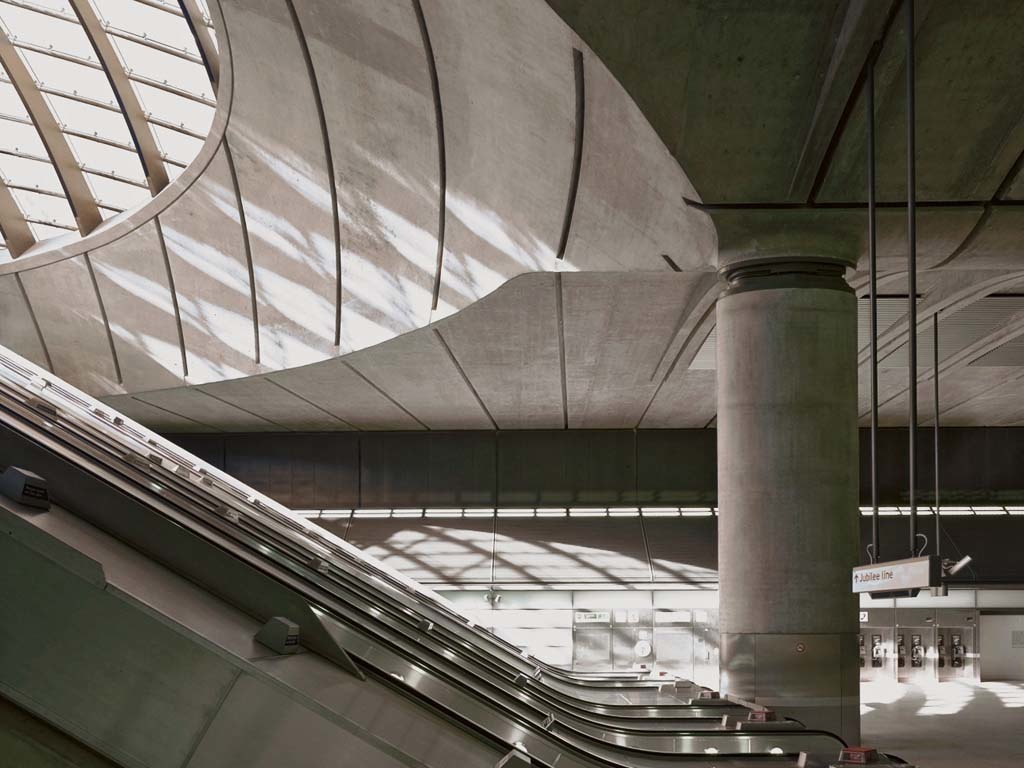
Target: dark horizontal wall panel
(209,448)
(993,542)
(677,466)
(683,548)
(566,467)
(977,465)
(451,469)
(315,471)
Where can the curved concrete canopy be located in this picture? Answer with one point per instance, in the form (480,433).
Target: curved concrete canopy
(432,152)
(382,166)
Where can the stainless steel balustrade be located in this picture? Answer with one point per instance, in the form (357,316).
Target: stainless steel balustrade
(377,615)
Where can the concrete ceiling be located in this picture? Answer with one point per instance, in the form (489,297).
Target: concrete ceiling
(482,216)
(544,351)
(430,154)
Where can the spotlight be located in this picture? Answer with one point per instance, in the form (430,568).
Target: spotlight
(952,569)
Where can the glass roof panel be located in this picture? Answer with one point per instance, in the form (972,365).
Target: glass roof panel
(55,5)
(154,42)
(44,207)
(90,119)
(69,76)
(110,159)
(163,67)
(175,109)
(116,193)
(176,145)
(144,20)
(42,231)
(29,173)
(26,26)
(10,101)
(21,137)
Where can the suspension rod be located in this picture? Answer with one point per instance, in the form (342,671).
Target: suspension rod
(911,278)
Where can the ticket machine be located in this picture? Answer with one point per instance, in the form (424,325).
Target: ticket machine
(956,653)
(917,661)
(875,649)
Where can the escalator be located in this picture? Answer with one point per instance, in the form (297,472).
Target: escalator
(255,555)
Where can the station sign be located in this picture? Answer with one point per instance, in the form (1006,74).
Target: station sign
(902,576)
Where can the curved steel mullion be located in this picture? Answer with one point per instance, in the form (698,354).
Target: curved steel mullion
(53,53)
(160,6)
(155,45)
(134,115)
(82,167)
(43,88)
(17,233)
(55,193)
(204,39)
(52,224)
(172,89)
(90,64)
(72,179)
(123,34)
(92,137)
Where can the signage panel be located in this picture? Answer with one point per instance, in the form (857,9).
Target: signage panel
(897,575)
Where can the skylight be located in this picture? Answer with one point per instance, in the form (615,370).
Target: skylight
(102,104)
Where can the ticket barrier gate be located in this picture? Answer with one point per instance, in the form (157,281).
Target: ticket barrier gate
(706,648)
(616,640)
(633,639)
(673,643)
(592,641)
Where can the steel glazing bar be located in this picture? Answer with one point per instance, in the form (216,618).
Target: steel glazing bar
(136,78)
(54,224)
(16,231)
(55,193)
(170,8)
(72,179)
(80,135)
(156,45)
(131,108)
(123,34)
(111,107)
(84,168)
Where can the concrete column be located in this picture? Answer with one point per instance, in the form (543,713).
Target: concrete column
(787,490)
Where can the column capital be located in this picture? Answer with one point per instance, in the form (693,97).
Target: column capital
(768,272)
(792,236)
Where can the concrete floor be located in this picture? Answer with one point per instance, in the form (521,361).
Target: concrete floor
(946,725)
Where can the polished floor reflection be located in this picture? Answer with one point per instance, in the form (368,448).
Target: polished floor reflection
(946,725)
